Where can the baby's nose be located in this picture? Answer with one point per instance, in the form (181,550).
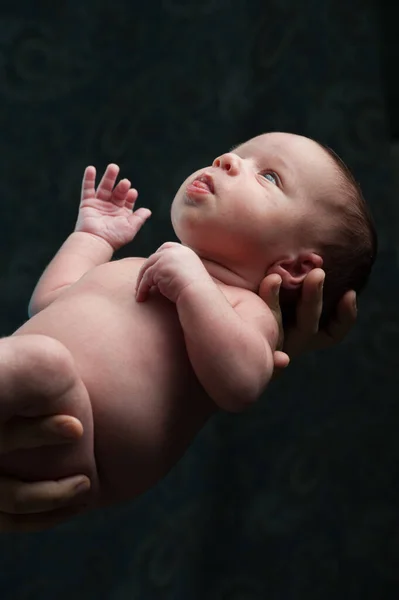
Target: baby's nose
(229,162)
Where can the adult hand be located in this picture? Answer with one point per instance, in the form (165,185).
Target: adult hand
(26,506)
(305,335)
(269,290)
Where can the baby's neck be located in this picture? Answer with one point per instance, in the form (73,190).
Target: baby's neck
(227,276)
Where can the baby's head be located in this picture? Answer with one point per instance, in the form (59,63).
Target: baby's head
(279,203)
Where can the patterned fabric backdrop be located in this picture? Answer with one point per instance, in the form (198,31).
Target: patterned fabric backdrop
(299,498)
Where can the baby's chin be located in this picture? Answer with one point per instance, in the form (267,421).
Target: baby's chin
(188,200)
(186,215)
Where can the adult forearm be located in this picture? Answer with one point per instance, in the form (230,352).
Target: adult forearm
(79,253)
(232,361)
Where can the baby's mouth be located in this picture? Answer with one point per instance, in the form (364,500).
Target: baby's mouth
(204,182)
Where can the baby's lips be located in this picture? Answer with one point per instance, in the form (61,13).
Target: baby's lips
(207,180)
(201,184)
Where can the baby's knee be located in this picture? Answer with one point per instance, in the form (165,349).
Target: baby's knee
(41,361)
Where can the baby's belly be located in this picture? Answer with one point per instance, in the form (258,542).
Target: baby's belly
(147,403)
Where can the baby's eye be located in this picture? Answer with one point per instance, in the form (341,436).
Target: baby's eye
(272,177)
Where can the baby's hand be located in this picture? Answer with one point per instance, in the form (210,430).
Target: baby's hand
(171,269)
(108,211)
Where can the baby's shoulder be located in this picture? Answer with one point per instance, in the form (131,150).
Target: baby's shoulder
(246,299)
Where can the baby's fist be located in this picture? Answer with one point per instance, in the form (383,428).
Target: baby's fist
(171,269)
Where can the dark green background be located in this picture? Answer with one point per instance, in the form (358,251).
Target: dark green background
(299,498)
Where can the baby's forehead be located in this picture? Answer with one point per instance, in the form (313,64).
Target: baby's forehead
(305,164)
(301,156)
(280,144)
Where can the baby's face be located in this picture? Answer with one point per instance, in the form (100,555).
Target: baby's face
(257,203)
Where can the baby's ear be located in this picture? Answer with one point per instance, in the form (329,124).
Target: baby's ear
(293,269)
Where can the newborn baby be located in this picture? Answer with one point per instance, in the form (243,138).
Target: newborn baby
(155,346)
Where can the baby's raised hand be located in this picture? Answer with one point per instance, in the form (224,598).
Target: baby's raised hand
(107,211)
(171,269)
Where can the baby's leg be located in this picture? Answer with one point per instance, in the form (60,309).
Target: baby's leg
(48,384)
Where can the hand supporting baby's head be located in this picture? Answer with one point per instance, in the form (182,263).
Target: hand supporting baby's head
(346,243)
(279,203)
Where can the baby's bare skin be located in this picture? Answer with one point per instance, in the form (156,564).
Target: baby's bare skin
(147,403)
(156,365)
(152,348)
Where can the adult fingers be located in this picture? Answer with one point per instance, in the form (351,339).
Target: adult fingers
(21,497)
(344,319)
(21,433)
(281,360)
(269,292)
(310,304)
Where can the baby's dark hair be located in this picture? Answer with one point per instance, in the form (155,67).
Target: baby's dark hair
(348,257)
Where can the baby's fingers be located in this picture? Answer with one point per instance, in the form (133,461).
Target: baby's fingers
(138,218)
(106,185)
(144,284)
(145,278)
(131,198)
(22,433)
(88,184)
(120,192)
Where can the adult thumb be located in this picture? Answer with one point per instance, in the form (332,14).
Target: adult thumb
(269,291)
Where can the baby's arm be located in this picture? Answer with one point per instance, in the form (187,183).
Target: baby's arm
(230,347)
(79,253)
(105,223)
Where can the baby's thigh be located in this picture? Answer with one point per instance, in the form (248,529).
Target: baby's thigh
(41,378)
